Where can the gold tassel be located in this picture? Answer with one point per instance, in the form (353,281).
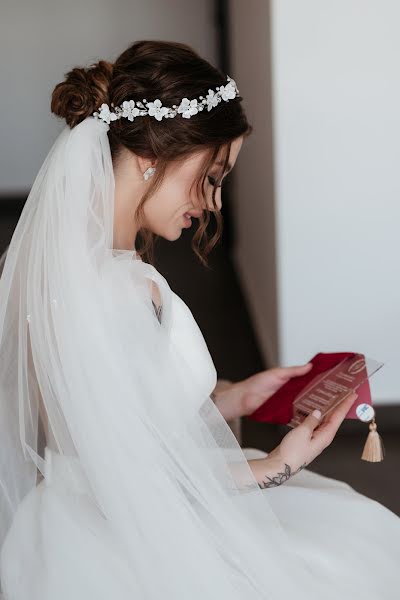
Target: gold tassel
(374,450)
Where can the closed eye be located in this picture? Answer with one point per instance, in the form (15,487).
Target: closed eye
(212,181)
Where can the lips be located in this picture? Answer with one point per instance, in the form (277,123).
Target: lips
(187,220)
(187,217)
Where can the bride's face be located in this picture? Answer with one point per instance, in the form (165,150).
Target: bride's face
(165,211)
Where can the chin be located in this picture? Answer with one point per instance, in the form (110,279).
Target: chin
(171,236)
(176,236)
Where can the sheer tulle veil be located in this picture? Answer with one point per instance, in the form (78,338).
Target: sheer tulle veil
(83,353)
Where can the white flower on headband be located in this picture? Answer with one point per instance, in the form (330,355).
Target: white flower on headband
(227,92)
(187,108)
(129,110)
(212,99)
(157,110)
(106,115)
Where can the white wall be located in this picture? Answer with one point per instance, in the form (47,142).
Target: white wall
(336,139)
(41,40)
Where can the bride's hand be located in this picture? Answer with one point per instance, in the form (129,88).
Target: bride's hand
(244,397)
(300,446)
(305,442)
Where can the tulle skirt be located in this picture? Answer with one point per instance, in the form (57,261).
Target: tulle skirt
(60,547)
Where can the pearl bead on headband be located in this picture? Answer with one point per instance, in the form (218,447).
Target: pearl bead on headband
(131,109)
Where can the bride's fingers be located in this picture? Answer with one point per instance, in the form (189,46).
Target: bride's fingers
(311,422)
(293,371)
(296,368)
(333,421)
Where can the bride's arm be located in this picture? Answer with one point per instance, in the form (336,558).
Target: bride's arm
(228,398)
(300,446)
(271,471)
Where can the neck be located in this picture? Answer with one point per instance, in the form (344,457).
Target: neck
(125,229)
(129,187)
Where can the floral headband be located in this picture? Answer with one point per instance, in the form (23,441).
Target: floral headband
(131,109)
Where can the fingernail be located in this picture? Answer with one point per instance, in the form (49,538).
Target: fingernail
(316,413)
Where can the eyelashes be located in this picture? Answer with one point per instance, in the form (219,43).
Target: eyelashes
(213,181)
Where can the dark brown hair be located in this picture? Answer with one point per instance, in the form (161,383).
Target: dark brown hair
(169,71)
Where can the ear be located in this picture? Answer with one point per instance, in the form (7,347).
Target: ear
(145,163)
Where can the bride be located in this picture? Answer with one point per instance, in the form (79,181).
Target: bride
(119,475)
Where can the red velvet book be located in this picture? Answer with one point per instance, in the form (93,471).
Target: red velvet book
(333,377)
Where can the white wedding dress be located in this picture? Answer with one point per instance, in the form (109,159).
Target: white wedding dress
(146,493)
(59,546)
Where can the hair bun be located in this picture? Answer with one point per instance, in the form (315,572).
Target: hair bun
(82,92)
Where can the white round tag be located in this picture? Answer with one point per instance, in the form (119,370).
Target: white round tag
(365,412)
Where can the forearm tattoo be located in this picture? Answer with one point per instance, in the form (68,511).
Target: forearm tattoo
(280,477)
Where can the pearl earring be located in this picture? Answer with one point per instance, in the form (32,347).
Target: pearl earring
(149,173)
